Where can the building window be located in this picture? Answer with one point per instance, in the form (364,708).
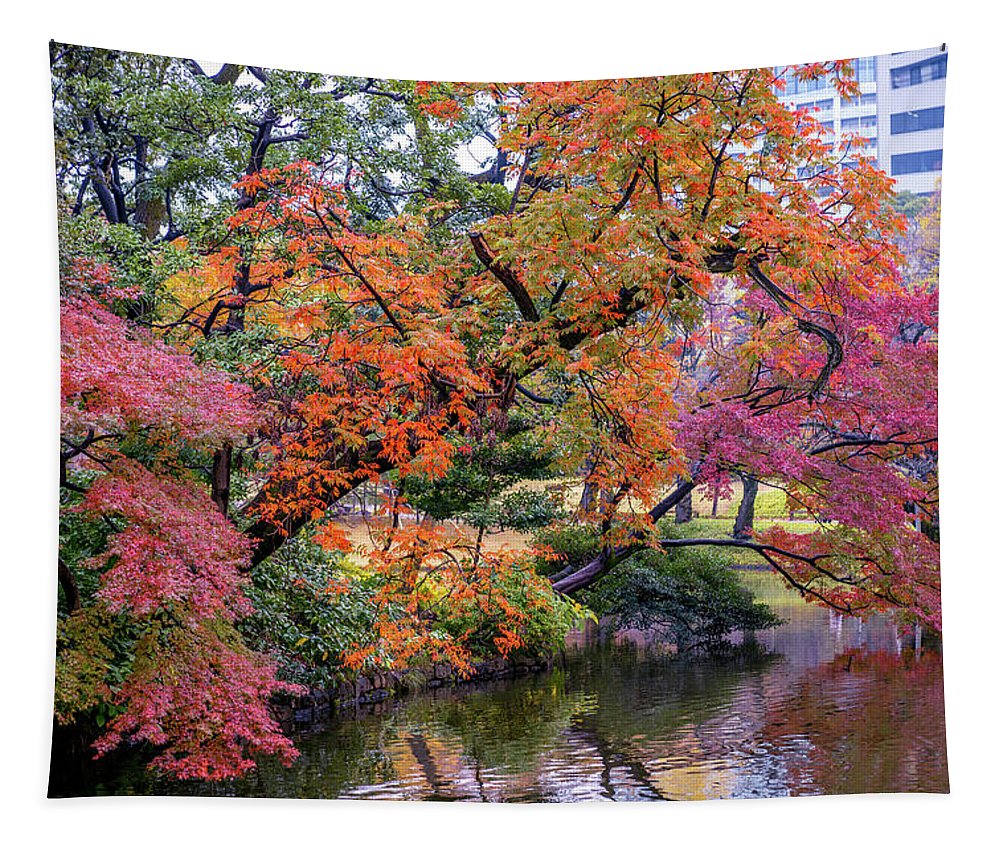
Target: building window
(816,85)
(795,86)
(917,119)
(918,161)
(864,72)
(867,99)
(864,69)
(934,68)
(862,122)
(821,105)
(807,171)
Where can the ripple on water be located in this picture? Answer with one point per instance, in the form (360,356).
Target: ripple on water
(812,715)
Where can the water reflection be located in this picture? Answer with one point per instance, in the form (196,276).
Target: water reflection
(821,704)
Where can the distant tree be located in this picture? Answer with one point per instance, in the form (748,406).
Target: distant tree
(908,204)
(743,527)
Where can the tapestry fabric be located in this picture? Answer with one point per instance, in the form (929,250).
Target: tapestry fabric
(498,441)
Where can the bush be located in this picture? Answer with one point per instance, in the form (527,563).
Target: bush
(524,510)
(299,623)
(547,617)
(692,597)
(477,487)
(307,628)
(572,546)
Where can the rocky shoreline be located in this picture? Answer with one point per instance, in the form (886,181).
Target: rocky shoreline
(376,688)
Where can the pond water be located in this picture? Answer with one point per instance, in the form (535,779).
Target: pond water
(824,704)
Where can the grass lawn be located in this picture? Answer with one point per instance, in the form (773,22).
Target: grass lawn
(770,509)
(721,527)
(359,533)
(771,502)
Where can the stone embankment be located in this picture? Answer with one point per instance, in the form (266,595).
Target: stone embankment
(375,688)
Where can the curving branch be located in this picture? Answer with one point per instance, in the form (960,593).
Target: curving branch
(671,500)
(503,273)
(834,357)
(785,302)
(534,397)
(370,88)
(865,442)
(268,535)
(226,75)
(567,581)
(258,72)
(769,553)
(362,279)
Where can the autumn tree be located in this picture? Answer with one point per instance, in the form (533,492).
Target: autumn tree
(152,647)
(649,220)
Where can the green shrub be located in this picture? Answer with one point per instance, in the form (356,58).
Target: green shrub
(691,597)
(549,617)
(572,545)
(299,623)
(524,510)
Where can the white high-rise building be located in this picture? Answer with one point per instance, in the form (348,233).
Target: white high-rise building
(910,89)
(898,117)
(841,117)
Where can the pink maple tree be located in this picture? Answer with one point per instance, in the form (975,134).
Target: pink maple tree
(172,569)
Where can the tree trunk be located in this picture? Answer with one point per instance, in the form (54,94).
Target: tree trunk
(589,496)
(743,527)
(570,580)
(684,510)
(585,576)
(69,587)
(222,466)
